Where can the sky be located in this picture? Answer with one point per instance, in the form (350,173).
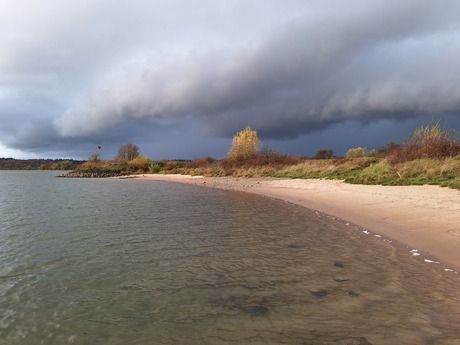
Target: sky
(179,78)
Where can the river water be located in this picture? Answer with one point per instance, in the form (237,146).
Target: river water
(103,261)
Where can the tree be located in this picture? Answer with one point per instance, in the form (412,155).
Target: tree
(324,154)
(245,145)
(66,165)
(127,152)
(94,158)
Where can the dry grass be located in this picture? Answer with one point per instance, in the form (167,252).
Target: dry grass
(331,168)
(443,172)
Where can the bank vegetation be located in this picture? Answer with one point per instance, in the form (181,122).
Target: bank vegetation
(431,155)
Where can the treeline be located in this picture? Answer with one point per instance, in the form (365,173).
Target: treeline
(38,164)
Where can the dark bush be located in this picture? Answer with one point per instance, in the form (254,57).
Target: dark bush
(324,154)
(204,162)
(384,151)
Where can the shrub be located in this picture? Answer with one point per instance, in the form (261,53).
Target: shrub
(268,160)
(431,141)
(324,154)
(110,167)
(384,151)
(201,163)
(245,145)
(357,152)
(139,163)
(89,166)
(276,160)
(65,165)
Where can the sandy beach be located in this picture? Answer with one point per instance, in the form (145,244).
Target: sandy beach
(424,218)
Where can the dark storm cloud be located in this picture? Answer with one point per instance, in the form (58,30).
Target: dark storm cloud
(76,74)
(367,61)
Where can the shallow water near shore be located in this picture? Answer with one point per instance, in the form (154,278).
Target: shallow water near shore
(101,261)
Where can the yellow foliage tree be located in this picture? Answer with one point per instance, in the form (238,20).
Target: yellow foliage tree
(245,145)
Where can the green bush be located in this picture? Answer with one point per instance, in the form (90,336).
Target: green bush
(357,152)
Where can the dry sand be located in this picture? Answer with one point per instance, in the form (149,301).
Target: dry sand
(426,218)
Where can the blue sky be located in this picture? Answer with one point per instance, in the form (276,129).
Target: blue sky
(178,78)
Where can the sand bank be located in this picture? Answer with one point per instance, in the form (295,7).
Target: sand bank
(426,218)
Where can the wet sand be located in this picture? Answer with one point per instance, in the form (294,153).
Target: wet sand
(425,218)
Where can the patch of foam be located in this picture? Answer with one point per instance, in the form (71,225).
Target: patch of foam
(431,261)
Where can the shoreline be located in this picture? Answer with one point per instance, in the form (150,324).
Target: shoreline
(424,218)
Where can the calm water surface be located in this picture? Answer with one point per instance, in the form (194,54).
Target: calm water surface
(86,261)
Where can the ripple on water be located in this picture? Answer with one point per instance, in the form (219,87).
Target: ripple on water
(119,262)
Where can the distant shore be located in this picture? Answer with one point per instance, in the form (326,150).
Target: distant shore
(425,218)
